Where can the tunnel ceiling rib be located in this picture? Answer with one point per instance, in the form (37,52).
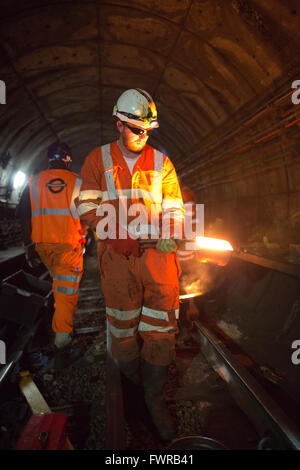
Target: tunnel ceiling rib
(202,60)
(29,93)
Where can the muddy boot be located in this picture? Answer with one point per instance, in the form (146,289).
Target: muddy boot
(155,378)
(67,355)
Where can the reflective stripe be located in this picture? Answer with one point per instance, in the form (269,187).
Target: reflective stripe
(90,194)
(146,327)
(110,183)
(134,193)
(157,177)
(66,290)
(108,171)
(121,333)
(105,196)
(34,190)
(50,212)
(158,161)
(123,314)
(86,207)
(75,194)
(158,314)
(175,204)
(106,157)
(67,277)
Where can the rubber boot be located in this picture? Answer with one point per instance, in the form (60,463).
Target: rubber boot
(155,378)
(131,370)
(133,401)
(67,355)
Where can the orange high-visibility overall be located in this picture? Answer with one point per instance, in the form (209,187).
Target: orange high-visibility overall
(57,234)
(141,293)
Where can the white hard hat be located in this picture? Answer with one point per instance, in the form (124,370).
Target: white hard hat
(136,107)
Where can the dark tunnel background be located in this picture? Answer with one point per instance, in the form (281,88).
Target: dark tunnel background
(224,77)
(221,73)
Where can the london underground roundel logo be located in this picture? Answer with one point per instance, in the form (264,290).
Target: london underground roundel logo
(56,185)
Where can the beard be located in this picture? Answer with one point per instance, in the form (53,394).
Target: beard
(133,146)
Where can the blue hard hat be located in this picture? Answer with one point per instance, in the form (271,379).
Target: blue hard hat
(59,151)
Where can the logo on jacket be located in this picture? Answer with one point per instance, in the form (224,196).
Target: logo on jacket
(56,185)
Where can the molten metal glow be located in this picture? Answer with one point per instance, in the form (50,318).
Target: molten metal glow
(213,244)
(192,287)
(189,296)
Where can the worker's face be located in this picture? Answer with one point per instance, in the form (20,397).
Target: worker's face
(133,142)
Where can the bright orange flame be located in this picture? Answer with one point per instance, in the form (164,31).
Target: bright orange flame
(192,287)
(189,296)
(213,244)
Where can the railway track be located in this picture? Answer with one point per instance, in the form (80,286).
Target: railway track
(210,393)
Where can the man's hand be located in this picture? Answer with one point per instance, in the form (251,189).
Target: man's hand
(32,258)
(167,245)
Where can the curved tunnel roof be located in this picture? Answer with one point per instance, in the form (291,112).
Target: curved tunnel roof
(65,64)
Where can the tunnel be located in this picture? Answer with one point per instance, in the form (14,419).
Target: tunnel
(225,78)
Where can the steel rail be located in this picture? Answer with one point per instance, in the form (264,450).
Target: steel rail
(258,405)
(281,266)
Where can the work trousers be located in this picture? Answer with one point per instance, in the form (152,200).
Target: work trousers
(142,303)
(65,264)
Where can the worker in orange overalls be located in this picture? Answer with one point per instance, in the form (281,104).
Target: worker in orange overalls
(54,232)
(140,197)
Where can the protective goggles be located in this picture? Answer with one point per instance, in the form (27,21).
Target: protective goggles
(137,130)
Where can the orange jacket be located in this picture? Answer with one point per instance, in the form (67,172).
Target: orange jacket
(54,217)
(150,194)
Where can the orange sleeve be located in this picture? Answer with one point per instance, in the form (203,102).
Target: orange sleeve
(90,194)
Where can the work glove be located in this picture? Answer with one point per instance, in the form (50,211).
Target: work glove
(167,245)
(32,258)
(125,247)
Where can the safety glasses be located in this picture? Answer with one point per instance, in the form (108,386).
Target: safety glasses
(138,131)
